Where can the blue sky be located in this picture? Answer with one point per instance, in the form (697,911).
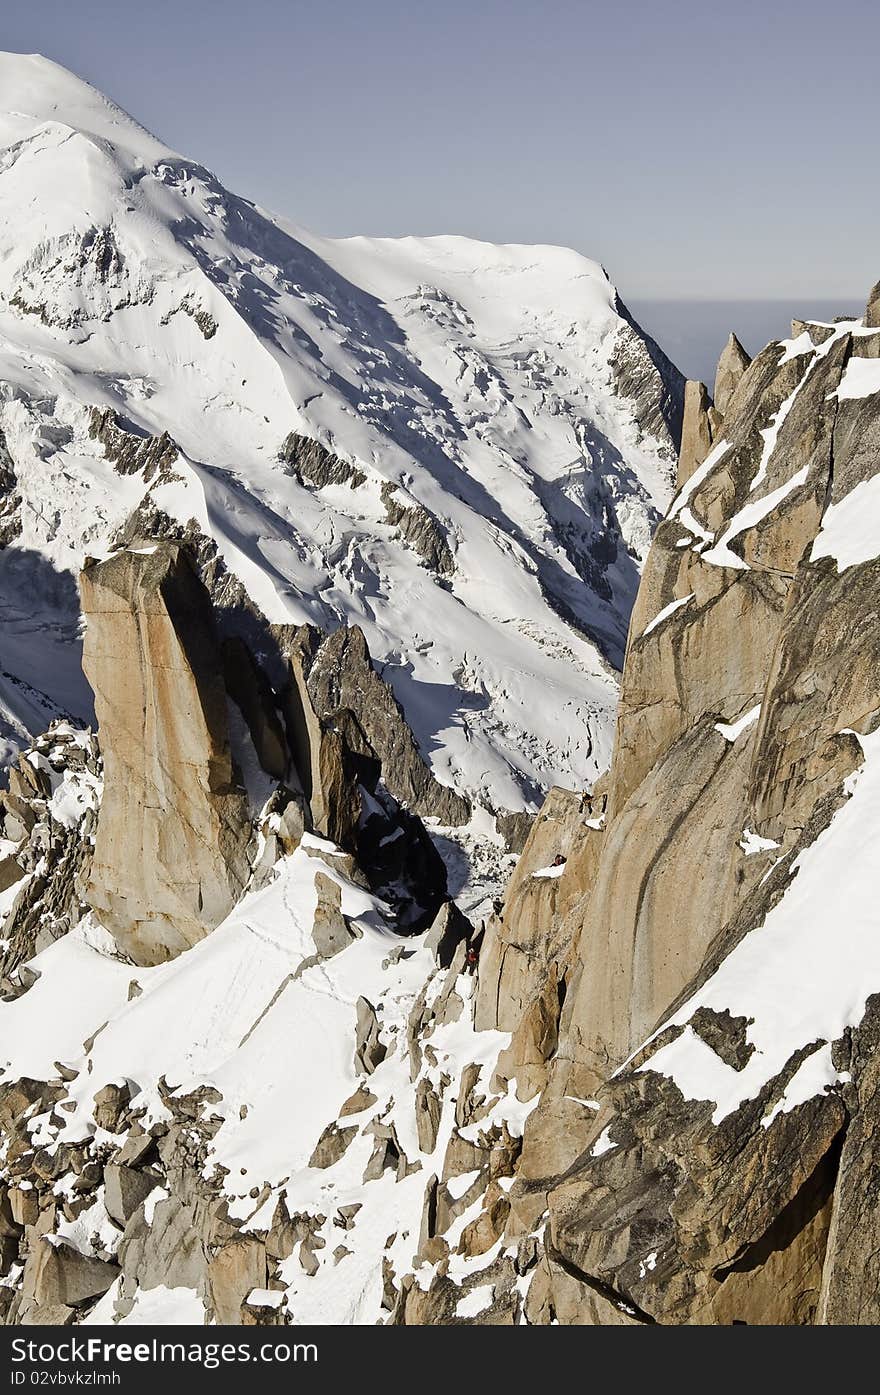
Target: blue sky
(696,149)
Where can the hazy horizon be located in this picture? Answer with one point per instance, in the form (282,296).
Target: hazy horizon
(693,332)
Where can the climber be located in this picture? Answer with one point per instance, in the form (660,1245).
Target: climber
(559,861)
(471,960)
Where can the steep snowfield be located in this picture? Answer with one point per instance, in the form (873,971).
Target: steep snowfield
(475,381)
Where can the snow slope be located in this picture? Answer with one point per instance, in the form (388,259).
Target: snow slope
(250,1015)
(475,381)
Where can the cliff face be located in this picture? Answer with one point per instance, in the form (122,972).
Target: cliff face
(704,1129)
(170,848)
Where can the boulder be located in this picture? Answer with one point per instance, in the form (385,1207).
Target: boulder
(170,1250)
(358,1102)
(331,930)
(332,1145)
(124,1191)
(63,1277)
(11,871)
(234,1272)
(369,1051)
(447,931)
(110,1106)
(24,1205)
(428,1109)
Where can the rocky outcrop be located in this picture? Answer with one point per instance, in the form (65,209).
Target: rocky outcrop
(314,465)
(346,694)
(311,714)
(693,1167)
(743,741)
(352,787)
(321,756)
(419,528)
(643,373)
(696,431)
(48,816)
(10,518)
(130,452)
(333,702)
(170,848)
(202,318)
(731,366)
(702,649)
(849,1286)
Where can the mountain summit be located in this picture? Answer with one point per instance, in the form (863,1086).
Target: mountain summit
(461,448)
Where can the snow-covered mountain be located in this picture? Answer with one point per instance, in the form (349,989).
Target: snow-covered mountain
(241,1080)
(461,448)
(231,1074)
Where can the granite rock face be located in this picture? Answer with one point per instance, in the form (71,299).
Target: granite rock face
(731,366)
(347,692)
(696,430)
(701,1153)
(170,848)
(189,718)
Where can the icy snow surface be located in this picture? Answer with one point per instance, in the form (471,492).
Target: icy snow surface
(548,873)
(850,531)
(666,612)
(861,378)
(732,730)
